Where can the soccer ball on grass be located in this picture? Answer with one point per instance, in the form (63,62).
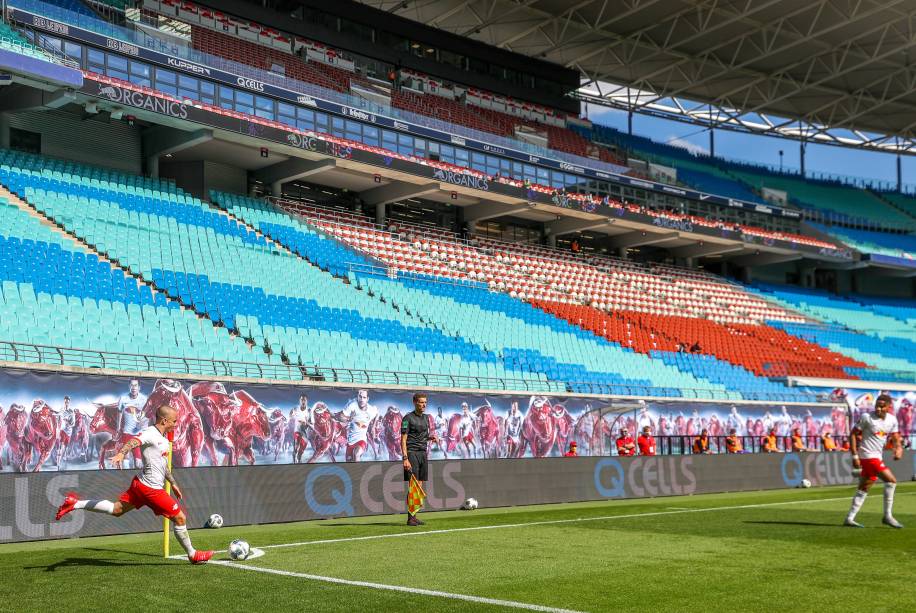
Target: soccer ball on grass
(804,483)
(470,504)
(214,521)
(239,549)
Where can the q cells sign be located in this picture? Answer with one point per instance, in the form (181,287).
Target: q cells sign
(282,493)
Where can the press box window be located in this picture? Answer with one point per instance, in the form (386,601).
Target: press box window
(244,103)
(140,74)
(264,107)
(226,100)
(305,119)
(166,81)
(117,67)
(187,87)
(96,61)
(207,92)
(286,113)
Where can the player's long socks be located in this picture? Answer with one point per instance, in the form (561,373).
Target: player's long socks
(889,489)
(181,533)
(96,506)
(857,501)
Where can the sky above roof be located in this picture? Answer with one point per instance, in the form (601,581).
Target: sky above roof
(763,149)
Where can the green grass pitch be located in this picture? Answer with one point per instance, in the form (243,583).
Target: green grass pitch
(753,551)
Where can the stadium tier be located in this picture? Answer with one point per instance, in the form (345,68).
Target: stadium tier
(268,58)
(55,292)
(881,243)
(235,278)
(878,332)
(639,312)
(839,203)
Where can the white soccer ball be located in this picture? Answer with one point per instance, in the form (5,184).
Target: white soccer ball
(239,549)
(470,504)
(215,521)
(804,483)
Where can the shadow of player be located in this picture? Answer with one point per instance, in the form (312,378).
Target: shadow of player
(84,562)
(363,523)
(794,523)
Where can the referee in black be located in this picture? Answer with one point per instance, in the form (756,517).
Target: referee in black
(415,438)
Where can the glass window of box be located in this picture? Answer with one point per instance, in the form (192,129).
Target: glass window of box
(140,74)
(264,107)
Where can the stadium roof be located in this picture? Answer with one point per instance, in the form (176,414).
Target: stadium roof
(836,71)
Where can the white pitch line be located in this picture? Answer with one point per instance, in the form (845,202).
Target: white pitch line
(399,588)
(546,523)
(539,523)
(465,597)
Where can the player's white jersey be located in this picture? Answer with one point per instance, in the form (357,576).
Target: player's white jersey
(514,426)
(358,425)
(154,448)
(132,419)
(298,417)
(466,425)
(874,434)
(67,421)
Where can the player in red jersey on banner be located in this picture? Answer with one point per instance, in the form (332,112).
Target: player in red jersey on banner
(877,429)
(147,488)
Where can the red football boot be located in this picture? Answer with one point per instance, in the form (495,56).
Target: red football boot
(201,557)
(67,505)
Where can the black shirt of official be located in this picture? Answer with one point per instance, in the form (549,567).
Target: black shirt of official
(416,427)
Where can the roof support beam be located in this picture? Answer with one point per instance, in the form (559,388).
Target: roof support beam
(397,191)
(638,238)
(764,259)
(161,140)
(568,225)
(489,210)
(701,250)
(290,170)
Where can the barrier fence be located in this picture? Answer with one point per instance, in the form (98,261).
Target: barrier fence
(267,494)
(31,354)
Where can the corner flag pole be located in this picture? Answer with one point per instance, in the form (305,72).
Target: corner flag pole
(168,490)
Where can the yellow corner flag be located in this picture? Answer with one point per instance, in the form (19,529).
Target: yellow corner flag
(415,496)
(168,490)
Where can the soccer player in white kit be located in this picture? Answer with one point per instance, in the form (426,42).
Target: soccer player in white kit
(131,420)
(876,429)
(147,488)
(357,415)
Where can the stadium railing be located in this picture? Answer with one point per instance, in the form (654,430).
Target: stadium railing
(31,355)
(682,444)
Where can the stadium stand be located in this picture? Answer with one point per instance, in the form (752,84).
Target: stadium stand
(235,278)
(867,241)
(879,332)
(637,310)
(322,288)
(839,203)
(56,292)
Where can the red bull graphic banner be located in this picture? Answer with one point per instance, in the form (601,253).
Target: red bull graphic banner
(859,401)
(53,421)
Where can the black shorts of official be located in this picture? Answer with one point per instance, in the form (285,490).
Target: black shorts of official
(418,464)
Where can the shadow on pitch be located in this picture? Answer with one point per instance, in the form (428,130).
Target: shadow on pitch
(794,523)
(364,523)
(99,562)
(130,553)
